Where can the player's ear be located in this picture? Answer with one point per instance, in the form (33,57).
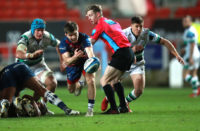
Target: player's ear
(98,14)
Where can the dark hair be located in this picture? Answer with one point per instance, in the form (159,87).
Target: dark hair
(95,8)
(70,26)
(137,19)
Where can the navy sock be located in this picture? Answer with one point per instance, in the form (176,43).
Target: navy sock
(110,95)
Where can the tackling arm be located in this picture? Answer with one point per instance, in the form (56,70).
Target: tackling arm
(172,49)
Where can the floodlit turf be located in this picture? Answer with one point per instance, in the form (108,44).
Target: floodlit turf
(159,109)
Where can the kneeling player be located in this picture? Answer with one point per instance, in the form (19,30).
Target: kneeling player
(15,78)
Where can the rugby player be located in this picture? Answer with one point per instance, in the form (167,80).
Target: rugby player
(15,77)
(30,50)
(112,35)
(75,49)
(191,56)
(139,37)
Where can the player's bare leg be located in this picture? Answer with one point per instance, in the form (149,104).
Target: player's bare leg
(47,78)
(90,80)
(35,85)
(139,85)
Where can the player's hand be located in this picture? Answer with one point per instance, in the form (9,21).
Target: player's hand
(62,66)
(137,48)
(37,53)
(180,60)
(78,53)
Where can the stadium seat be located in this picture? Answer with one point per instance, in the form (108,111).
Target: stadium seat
(163,13)
(73,13)
(34,13)
(20,14)
(60,13)
(181,12)
(194,12)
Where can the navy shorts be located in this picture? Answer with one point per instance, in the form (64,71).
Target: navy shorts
(122,59)
(74,73)
(15,75)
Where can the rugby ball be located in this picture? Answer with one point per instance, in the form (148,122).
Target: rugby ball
(91,65)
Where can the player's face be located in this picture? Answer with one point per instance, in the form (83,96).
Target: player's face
(186,22)
(137,28)
(38,34)
(92,16)
(73,36)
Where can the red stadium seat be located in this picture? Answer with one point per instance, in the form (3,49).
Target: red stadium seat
(48,14)
(194,12)
(34,13)
(180,12)
(163,13)
(60,13)
(75,13)
(20,14)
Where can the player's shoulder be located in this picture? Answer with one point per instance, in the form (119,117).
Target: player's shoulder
(47,34)
(63,41)
(190,32)
(27,35)
(127,30)
(83,36)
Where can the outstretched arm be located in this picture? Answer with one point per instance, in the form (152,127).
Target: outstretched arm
(172,49)
(89,51)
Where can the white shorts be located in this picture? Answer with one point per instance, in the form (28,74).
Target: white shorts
(41,67)
(194,66)
(137,68)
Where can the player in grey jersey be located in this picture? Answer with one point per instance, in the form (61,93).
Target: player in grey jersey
(30,50)
(139,37)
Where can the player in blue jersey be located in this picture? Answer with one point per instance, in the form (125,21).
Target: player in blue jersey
(14,78)
(75,49)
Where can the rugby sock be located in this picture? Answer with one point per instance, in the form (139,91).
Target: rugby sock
(188,78)
(120,92)
(53,99)
(131,96)
(90,104)
(110,96)
(195,84)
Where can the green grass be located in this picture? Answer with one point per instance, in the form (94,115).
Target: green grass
(158,109)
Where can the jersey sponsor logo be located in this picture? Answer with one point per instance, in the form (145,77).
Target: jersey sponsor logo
(93,32)
(190,35)
(110,22)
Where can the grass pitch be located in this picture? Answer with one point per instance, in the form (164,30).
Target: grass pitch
(158,109)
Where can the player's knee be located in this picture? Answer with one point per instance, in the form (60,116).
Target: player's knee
(71,89)
(90,81)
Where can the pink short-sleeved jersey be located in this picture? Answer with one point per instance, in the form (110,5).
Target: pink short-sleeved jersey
(111,33)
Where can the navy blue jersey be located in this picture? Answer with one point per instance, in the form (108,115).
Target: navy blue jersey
(15,75)
(67,46)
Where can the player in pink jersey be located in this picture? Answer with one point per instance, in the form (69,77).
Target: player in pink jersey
(111,33)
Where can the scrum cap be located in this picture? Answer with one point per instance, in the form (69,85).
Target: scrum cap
(37,24)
